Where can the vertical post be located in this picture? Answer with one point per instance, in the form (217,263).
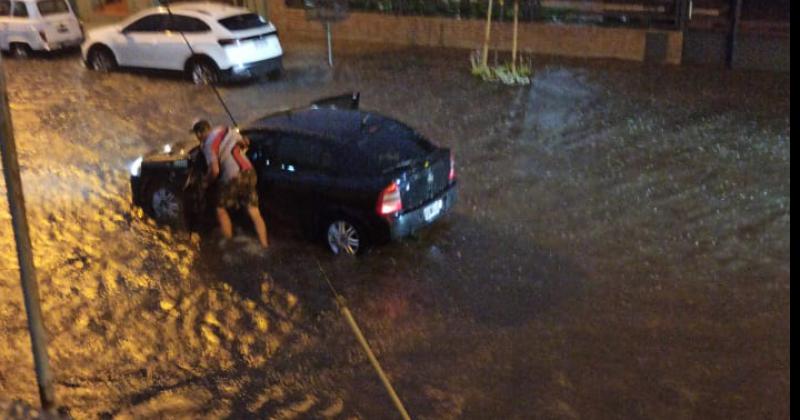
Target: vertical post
(330,47)
(514,41)
(485,55)
(30,290)
(736,14)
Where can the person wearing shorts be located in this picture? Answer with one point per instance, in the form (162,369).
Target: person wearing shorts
(228,165)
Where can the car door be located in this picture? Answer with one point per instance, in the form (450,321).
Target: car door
(19,28)
(296,177)
(173,51)
(140,41)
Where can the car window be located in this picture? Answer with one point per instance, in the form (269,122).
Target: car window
(243,21)
(298,153)
(20,10)
(5,8)
(180,23)
(151,23)
(52,7)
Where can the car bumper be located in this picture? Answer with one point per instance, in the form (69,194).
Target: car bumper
(407,223)
(136,190)
(256,68)
(61,45)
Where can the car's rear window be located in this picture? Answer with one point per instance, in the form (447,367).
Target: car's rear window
(390,144)
(52,7)
(243,21)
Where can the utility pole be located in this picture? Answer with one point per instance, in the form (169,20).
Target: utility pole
(736,15)
(27,272)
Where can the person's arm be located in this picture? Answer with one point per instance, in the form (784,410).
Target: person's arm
(210,150)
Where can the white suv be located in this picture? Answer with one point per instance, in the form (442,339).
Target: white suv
(37,25)
(226,42)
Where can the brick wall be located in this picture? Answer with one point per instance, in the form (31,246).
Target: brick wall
(539,38)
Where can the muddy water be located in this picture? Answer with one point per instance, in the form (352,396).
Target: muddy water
(620,249)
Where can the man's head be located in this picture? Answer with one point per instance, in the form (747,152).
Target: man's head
(201,128)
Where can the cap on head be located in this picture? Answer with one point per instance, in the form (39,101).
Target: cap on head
(199,125)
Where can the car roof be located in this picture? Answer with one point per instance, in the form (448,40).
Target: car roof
(215,11)
(338,125)
(211,10)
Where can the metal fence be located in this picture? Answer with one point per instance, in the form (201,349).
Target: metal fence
(614,12)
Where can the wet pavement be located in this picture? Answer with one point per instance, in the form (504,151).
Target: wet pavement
(620,250)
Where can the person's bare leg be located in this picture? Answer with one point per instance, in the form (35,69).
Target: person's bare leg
(225,224)
(258,223)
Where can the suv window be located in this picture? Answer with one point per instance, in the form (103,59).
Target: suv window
(180,23)
(151,23)
(242,22)
(20,10)
(52,7)
(5,8)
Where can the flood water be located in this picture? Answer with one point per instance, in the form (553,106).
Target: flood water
(620,249)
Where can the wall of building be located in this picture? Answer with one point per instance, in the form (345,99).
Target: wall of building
(538,38)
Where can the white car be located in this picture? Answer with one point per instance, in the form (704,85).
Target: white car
(38,25)
(226,42)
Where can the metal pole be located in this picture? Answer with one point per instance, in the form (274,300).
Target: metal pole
(735,17)
(30,289)
(486,36)
(330,48)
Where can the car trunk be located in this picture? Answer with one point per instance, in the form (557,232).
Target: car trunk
(425,180)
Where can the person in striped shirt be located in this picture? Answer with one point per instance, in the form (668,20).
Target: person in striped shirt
(227,163)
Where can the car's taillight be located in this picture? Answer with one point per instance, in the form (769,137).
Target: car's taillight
(43,36)
(389,201)
(452,176)
(226,42)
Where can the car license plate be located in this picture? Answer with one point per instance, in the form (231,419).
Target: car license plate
(432,210)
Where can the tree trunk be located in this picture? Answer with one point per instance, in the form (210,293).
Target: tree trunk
(485,55)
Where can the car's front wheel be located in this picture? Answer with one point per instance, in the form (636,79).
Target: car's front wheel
(345,237)
(166,205)
(102,59)
(203,72)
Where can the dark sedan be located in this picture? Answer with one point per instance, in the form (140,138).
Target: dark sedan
(350,177)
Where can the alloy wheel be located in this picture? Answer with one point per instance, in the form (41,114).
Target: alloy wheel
(343,238)
(102,61)
(203,74)
(166,207)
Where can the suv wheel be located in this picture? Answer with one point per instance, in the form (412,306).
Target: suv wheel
(203,72)
(21,51)
(344,237)
(102,60)
(166,205)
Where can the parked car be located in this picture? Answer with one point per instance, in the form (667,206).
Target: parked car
(38,25)
(227,42)
(349,177)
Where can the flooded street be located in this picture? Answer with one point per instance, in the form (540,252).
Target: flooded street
(620,249)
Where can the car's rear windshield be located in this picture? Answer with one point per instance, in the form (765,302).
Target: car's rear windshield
(243,22)
(391,144)
(52,7)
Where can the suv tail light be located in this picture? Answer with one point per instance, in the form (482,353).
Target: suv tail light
(225,42)
(389,201)
(452,176)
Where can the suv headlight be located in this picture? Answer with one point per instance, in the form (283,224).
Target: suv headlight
(135,167)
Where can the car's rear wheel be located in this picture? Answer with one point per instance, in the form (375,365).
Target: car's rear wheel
(102,59)
(21,51)
(203,72)
(345,237)
(166,205)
